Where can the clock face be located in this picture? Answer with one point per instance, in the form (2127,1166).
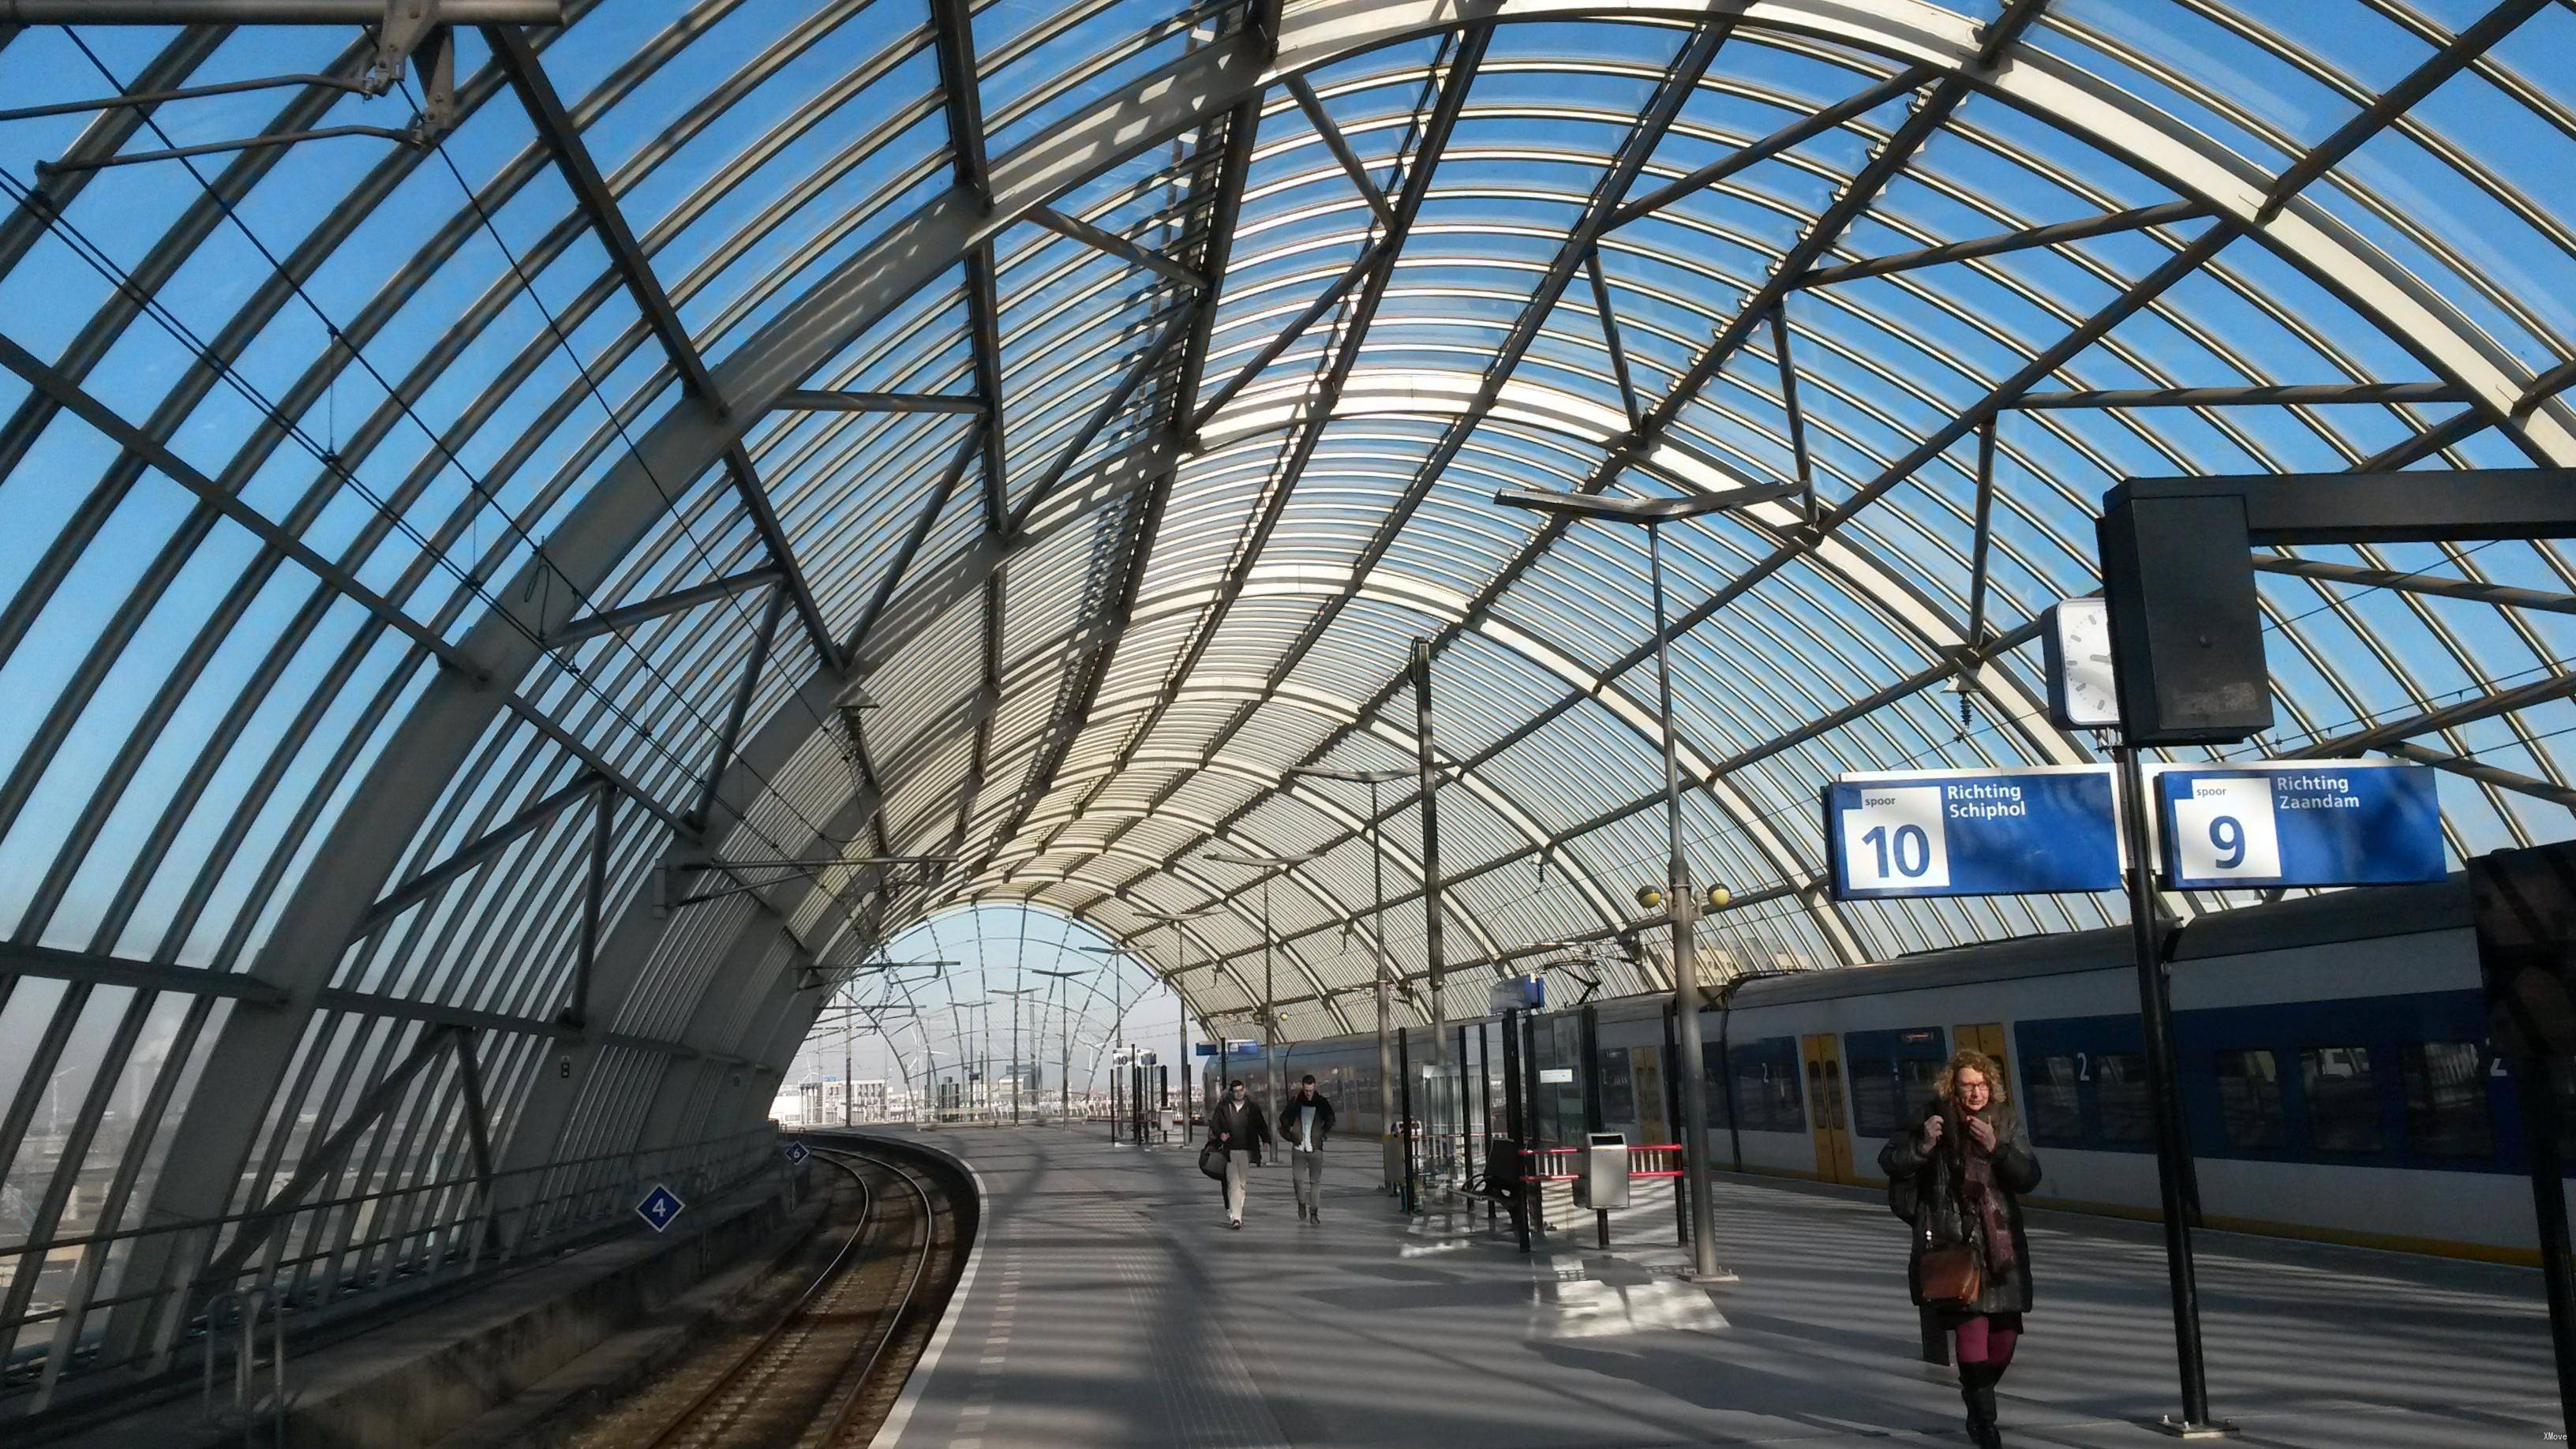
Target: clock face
(2082,693)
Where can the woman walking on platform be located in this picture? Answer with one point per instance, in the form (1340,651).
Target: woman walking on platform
(1957,1175)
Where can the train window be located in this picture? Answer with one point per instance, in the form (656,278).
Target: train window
(2343,1099)
(2120,1097)
(2562,1076)
(2249,1098)
(2446,1099)
(1918,1081)
(1714,1079)
(2056,1106)
(1766,1091)
(1875,1106)
(1618,1087)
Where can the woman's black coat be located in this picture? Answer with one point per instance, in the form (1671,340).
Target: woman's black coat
(1939,1205)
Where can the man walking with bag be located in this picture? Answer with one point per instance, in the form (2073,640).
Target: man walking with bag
(1304,1123)
(1241,1127)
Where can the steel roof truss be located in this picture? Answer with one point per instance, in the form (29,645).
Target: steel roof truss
(1364,265)
(1803,129)
(427,882)
(1628,400)
(2501,595)
(2251,395)
(1326,391)
(1340,146)
(2053,234)
(561,136)
(624,616)
(763,639)
(1680,78)
(1074,228)
(813,401)
(1175,327)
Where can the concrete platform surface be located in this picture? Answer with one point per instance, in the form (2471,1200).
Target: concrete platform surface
(1110,1305)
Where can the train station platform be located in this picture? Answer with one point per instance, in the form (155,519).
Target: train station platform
(1108,1304)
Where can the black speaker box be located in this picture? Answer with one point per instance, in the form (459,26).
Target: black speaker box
(2186,628)
(2525,906)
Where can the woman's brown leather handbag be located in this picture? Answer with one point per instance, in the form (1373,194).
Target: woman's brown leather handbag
(1948,1277)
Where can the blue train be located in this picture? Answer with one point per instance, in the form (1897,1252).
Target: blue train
(2336,1078)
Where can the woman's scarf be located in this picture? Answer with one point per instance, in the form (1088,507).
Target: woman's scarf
(1983,1198)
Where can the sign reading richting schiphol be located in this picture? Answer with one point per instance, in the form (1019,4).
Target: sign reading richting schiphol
(1971,833)
(2306,823)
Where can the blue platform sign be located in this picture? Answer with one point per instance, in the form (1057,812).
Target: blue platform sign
(2304,823)
(659,1207)
(1242,1046)
(1972,832)
(796,1154)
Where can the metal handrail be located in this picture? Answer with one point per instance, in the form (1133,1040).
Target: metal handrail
(469,1179)
(543,1221)
(236,1418)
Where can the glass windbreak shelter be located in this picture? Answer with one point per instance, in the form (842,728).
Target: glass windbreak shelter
(514,592)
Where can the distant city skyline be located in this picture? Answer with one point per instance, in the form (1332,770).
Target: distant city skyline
(955,1014)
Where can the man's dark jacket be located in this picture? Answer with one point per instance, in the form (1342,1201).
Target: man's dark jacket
(1244,1126)
(1288,1119)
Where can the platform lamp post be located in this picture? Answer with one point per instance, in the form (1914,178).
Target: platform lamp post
(1180,962)
(1063,1045)
(1015,993)
(969,1060)
(1376,780)
(1680,902)
(1117,1028)
(1272,864)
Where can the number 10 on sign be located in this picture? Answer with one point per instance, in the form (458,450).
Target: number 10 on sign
(1894,840)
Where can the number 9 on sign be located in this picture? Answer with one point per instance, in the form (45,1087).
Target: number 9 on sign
(2228,834)
(1893,840)
(2225,830)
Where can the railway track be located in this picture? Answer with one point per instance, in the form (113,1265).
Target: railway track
(827,1370)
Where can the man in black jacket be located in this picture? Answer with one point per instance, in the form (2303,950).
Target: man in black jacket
(1242,1127)
(1304,1124)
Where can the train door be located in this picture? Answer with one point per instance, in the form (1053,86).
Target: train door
(1825,1102)
(1646,1067)
(1987,1037)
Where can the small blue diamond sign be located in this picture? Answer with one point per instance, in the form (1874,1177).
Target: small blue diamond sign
(796,1154)
(659,1207)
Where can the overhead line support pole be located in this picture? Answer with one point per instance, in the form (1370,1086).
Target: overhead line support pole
(1682,904)
(1434,940)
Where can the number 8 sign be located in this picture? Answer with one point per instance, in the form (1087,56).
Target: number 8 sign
(1894,840)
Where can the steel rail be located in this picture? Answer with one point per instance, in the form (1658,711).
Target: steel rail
(903,1308)
(692,1420)
(687,1418)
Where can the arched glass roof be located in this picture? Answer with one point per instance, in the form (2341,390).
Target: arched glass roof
(474,586)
